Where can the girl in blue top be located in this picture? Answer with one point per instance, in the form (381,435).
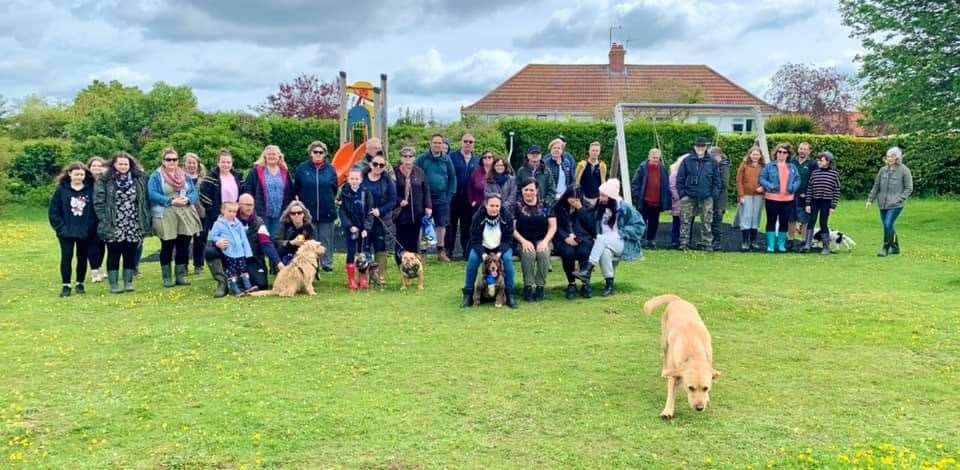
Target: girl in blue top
(229,228)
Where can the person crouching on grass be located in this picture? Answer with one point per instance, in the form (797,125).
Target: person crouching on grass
(237,250)
(822,195)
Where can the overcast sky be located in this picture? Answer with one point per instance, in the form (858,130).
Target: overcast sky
(439,55)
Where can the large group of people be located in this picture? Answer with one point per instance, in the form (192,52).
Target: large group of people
(245,228)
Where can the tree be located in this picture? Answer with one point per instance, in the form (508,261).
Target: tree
(306,96)
(821,93)
(35,118)
(911,68)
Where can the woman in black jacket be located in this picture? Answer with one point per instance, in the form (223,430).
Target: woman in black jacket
(73,219)
(491,231)
(413,203)
(223,184)
(573,240)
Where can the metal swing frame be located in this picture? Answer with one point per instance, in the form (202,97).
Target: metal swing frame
(620,150)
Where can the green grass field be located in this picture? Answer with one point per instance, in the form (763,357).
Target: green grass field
(845,360)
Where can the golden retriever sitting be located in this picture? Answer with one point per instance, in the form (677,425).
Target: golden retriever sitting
(490,284)
(299,274)
(687,353)
(410,268)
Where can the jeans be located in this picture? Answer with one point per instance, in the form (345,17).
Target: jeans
(570,255)
(473,264)
(324,233)
(888,217)
(67,255)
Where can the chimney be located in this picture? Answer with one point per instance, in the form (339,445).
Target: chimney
(617,54)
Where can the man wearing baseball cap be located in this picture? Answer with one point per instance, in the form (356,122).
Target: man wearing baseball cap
(536,169)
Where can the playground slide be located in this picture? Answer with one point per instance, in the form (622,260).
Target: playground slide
(345,158)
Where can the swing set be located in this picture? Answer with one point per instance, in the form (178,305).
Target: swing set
(620,161)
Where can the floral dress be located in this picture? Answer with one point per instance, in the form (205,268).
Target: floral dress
(128,223)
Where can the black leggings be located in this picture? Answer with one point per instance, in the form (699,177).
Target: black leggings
(96,252)
(198,245)
(408,239)
(126,249)
(651,214)
(778,210)
(820,209)
(66,257)
(573,254)
(182,252)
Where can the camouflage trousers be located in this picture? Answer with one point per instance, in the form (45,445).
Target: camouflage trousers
(689,209)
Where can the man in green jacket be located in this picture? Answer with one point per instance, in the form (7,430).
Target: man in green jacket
(442,178)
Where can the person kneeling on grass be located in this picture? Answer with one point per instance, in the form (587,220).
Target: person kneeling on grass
(229,228)
(620,230)
(491,231)
(261,245)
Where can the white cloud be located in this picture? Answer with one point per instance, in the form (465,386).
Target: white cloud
(123,74)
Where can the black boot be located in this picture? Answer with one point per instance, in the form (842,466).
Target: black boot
(216,270)
(745,240)
(886,245)
(754,236)
(586,291)
(584,274)
(538,294)
(80,289)
(511,300)
(527,294)
(608,288)
(894,244)
(113,277)
(234,288)
(65,291)
(571,291)
(467,298)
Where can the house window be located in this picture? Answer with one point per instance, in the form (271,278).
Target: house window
(749,125)
(737,125)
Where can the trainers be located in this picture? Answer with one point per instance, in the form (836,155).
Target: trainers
(65,292)
(80,289)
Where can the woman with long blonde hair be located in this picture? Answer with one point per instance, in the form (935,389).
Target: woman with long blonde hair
(270,185)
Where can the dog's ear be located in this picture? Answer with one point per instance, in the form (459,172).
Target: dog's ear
(716,374)
(484,256)
(496,255)
(675,373)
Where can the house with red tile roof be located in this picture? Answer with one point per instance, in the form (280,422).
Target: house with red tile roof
(588,92)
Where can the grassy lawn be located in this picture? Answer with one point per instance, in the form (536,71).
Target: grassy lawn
(850,359)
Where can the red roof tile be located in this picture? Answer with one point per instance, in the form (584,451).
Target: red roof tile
(582,88)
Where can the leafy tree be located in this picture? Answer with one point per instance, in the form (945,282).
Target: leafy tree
(306,96)
(35,118)
(822,93)
(911,69)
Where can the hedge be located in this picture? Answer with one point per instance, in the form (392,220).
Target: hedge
(934,159)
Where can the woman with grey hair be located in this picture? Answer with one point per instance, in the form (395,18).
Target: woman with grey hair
(296,228)
(891,188)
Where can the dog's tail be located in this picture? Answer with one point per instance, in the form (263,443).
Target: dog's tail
(657,301)
(262,293)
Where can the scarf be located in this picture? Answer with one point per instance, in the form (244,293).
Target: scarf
(501,178)
(124,181)
(177,179)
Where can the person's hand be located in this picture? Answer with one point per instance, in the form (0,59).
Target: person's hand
(428,212)
(527,246)
(280,266)
(354,230)
(759,190)
(576,204)
(375,212)
(363,234)
(403,203)
(296,242)
(543,245)
(742,200)
(868,204)
(807,209)
(571,240)
(223,243)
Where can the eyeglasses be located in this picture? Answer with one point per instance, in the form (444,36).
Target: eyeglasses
(171,159)
(296,212)
(488,157)
(378,165)
(782,151)
(318,152)
(468,141)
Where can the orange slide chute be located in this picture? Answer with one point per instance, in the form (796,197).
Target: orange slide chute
(345,158)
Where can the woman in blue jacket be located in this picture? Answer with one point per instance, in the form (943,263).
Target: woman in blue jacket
(175,219)
(780,180)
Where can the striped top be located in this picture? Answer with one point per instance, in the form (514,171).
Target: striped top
(824,184)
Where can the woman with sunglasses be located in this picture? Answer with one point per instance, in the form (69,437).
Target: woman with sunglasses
(384,193)
(295,228)
(315,185)
(780,180)
(413,194)
(175,219)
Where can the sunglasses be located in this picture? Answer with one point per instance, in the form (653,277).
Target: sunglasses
(318,152)
(378,165)
(782,151)
(171,159)
(468,141)
(296,212)
(485,157)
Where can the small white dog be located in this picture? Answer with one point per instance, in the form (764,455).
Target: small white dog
(838,240)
